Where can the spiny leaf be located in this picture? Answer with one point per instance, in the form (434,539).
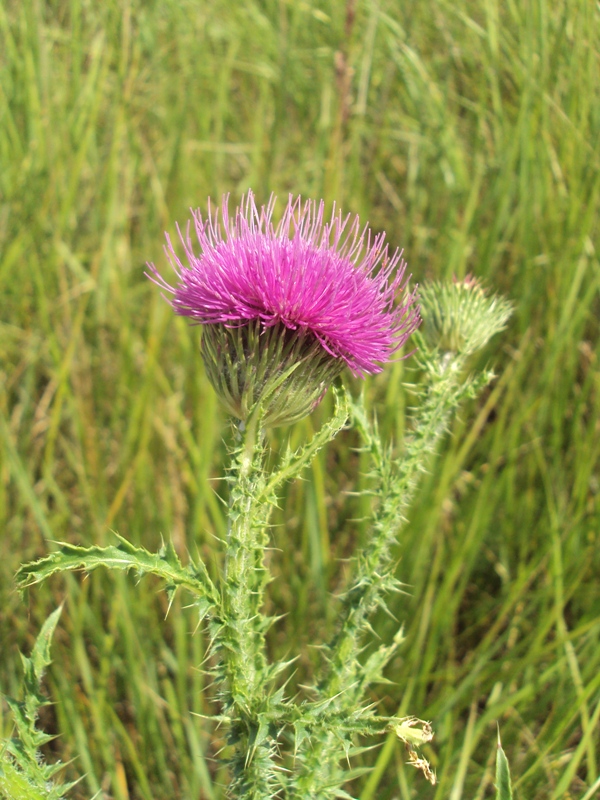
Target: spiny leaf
(294,462)
(40,655)
(15,786)
(125,556)
(23,773)
(396,481)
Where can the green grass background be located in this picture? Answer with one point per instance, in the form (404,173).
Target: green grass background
(469,131)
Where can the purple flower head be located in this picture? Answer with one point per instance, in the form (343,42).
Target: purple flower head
(319,277)
(330,284)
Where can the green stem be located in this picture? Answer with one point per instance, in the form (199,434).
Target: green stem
(241,635)
(345,681)
(255,714)
(397,485)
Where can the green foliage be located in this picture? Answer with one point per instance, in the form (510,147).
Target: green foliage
(460,317)
(346,680)
(294,461)
(503,784)
(24,775)
(465,130)
(125,556)
(250,703)
(253,707)
(288,373)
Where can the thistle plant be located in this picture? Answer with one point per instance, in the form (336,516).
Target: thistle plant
(284,311)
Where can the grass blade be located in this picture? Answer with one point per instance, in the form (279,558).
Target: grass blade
(503,784)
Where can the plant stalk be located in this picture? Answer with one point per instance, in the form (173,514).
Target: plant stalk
(240,633)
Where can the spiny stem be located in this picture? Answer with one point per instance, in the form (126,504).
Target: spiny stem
(397,484)
(343,685)
(240,640)
(248,432)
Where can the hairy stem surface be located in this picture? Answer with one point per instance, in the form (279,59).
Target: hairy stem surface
(239,633)
(345,680)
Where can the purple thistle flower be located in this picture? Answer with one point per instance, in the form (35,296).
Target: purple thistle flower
(329,283)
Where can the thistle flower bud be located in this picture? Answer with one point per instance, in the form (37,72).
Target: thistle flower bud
(284,309)
(460,317)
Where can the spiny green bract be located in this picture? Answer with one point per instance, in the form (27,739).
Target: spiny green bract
(460,317)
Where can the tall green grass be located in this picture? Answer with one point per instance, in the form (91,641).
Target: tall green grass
(469,131)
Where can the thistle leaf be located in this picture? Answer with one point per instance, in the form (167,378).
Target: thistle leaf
(15,786)
(125,556)
(23,773)
(294,462)
(40,655)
